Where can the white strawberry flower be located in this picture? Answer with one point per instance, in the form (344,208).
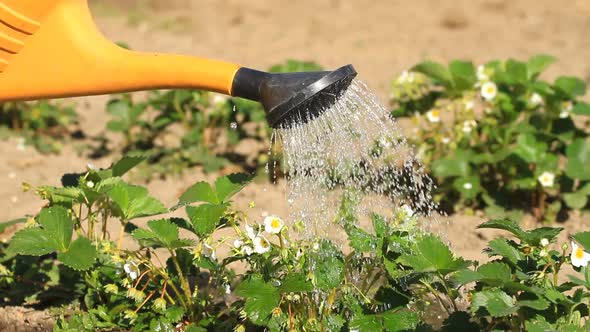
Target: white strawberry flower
(405,77)
(261,245)
(489,90)
(433,116)
(250,232)
(90,184)
(445,140)
(566,108)
(273,224)
(467,186)
(469,125)
(219,99)
(469,104)
(407,211)
(238,243)
(543,253)
(536,99)
(547,179)
(247,250)
(132,269)
(482,76)
(579,257)
(208,251)
(544,242)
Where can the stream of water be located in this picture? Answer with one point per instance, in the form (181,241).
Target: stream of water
(354,147)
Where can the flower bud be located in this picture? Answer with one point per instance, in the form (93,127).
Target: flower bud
(159,304)
(111,289)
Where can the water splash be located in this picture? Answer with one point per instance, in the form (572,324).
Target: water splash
(352,147)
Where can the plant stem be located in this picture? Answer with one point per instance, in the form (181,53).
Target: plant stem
(184,283)
(446,287)
(145,301)
(120,241)
(437,295)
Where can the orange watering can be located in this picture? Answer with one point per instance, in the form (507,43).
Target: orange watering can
(52,49)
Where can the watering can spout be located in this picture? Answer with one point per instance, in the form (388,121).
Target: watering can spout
(52,49)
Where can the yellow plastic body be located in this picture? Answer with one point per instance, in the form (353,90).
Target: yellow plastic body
(52,49)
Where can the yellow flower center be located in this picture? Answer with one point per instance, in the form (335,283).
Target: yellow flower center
(275,223)
(263,243)
(491,89)
(435,114)
(579,253)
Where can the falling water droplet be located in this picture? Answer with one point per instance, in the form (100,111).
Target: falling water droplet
(336,154)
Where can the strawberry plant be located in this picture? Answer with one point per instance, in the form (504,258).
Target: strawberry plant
(498,137)
(175,276)
(41,124)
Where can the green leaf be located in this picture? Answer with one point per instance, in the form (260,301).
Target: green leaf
(127,163)
(495,301)
(571,86)
(80,255)
(435,71)
(496,270)
(117,126)
(575,200)
(537,304)
(118,108)
(143,205)
(457,165)
(296,282)
(494,274)
(329,272)
(539,324)
(119,196)
(260,299)
(58,226)
(165,231)
(400,320)
(205,218)
(134,201)
(31,241)
(360,240)
(463,74)
(229,185)
(581,108)
(468,186)
(529,149)
(432,255)
(464,277)
(366,323)
(143,234)
(379,225)
(501,247)
(583,238)
(537,64)
(578,154)
(199,192)
(534,236)
(517,71)
(507,225)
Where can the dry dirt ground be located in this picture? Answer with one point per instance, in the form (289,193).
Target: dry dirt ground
(380,37)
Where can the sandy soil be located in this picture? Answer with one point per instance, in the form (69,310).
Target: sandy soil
(381,38)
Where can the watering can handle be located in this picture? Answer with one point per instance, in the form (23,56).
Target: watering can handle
(52,49)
